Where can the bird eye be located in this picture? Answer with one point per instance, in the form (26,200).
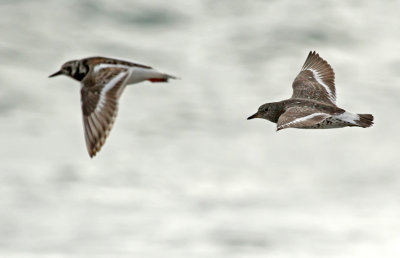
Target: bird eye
(68,69)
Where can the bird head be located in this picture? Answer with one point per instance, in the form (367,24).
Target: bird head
(75,69)
(269,111)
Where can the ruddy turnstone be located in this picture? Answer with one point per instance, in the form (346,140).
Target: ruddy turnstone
(102,83)
(313,103)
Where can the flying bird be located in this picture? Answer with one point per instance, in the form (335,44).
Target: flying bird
(102,82)
(313,102)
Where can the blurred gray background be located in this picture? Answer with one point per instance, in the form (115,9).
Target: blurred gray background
(183,173)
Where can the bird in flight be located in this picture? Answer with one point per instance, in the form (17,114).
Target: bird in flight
(102,82)
(313,103)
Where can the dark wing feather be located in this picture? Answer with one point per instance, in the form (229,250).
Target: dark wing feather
(99,97)
(300,117)
(315,81)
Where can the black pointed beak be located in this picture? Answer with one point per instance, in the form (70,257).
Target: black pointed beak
(253,116)
(56,73)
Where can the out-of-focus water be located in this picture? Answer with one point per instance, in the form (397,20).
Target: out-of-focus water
(183,174)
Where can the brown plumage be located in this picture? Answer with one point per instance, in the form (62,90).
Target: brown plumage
(102,83)
(313,102)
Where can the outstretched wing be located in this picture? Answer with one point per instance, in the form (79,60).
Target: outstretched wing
(300,117)
(315,81)
(99,99)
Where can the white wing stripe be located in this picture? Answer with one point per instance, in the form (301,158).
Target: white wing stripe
(319,80)
(102,66)
(302,119)
(111,84)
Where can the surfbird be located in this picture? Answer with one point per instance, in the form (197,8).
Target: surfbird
(313,102)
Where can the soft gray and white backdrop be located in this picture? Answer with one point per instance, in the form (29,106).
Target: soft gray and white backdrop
(183,174)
